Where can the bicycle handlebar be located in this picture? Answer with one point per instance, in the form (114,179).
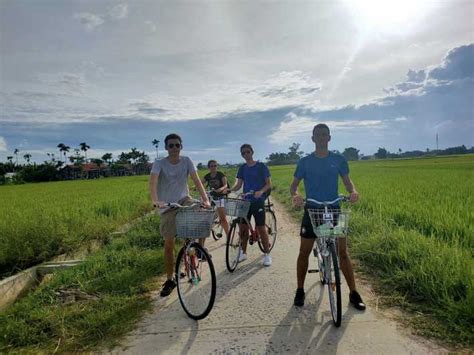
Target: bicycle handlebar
(194,204)
(327,203)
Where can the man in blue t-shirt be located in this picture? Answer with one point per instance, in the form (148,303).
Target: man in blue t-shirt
(320,172)
(255,176)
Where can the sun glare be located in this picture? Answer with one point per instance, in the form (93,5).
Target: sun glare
(389,16)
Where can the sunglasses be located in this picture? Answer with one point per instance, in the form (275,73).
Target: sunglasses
(246,152)
(172,145)
(213,166)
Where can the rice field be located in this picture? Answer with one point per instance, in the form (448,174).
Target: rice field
(41,220)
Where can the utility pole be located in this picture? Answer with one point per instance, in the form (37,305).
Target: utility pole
(437,148)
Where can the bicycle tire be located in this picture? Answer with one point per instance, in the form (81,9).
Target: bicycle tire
(334,284)
(271,225)
(217,231)
(191,272)
(233,247)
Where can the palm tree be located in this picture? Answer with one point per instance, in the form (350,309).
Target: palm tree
(27,157)
(84,148)
(16,151)
(63,149)
(107,157)
(155,143)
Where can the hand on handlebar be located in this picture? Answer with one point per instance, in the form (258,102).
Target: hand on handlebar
(298,201)
(354,196)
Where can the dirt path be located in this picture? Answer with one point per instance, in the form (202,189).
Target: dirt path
(254,313)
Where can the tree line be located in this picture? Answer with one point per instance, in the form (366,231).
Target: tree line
(73,163)
(353,154)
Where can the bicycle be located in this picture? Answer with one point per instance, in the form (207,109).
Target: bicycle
(195,274)
(329,225)
(217,231)
(238,209)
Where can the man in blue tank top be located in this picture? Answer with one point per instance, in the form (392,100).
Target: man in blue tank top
(320,172)
(255,176)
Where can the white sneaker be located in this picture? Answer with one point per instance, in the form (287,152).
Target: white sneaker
(267,260)
(242,257)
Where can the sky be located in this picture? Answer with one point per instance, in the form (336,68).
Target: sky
(118,74)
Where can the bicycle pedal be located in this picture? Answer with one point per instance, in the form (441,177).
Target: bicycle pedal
(313,271)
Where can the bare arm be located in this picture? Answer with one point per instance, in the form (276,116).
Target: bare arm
(224,185)
(354,195)
(265,188)
(237,185)
(200,188)
(298,200)
(152,184)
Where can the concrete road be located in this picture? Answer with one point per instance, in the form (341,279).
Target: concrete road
(254,313)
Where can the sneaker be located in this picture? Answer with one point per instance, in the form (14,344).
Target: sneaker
(267,260)
(167,288)
(356,300)
(242,257)
(299,297)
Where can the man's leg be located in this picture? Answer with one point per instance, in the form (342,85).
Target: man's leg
(244,236)
(346,267)
(306,246)
(169,258)
(262,233)
(346,263)
(168,231)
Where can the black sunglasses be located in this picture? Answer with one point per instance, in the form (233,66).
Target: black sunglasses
(172,145)
(213,166)
(246,152)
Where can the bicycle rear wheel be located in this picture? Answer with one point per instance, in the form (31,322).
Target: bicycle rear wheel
(271,225)
(334,283)
(196,280)
(217,231)
(233,247)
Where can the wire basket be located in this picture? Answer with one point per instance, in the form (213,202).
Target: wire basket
(333,224)
(194,223)
(236,207)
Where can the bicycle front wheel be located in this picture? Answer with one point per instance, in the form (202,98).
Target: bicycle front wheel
(333,278)
(233,247)
(196,281)
(271,226)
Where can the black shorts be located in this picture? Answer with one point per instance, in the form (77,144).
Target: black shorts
(306,230)
(257,210)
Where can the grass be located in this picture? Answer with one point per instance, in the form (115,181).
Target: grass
(46,219)
(413,233)
(91,304)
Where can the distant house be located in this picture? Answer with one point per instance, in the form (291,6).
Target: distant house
(10,176)
(84,171)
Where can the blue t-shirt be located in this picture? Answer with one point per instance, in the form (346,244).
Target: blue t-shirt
(321,175)
(254,178)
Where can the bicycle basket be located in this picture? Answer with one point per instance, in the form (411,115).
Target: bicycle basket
(235,207)
(333,224)
(194,223)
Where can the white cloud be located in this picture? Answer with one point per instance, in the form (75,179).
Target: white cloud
(284,89)
(295,126)
(3,144)
(119,11)
(89,20)
(401,119)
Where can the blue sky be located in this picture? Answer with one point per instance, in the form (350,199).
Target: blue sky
(117,74)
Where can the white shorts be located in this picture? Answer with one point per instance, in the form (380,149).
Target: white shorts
(219,203)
